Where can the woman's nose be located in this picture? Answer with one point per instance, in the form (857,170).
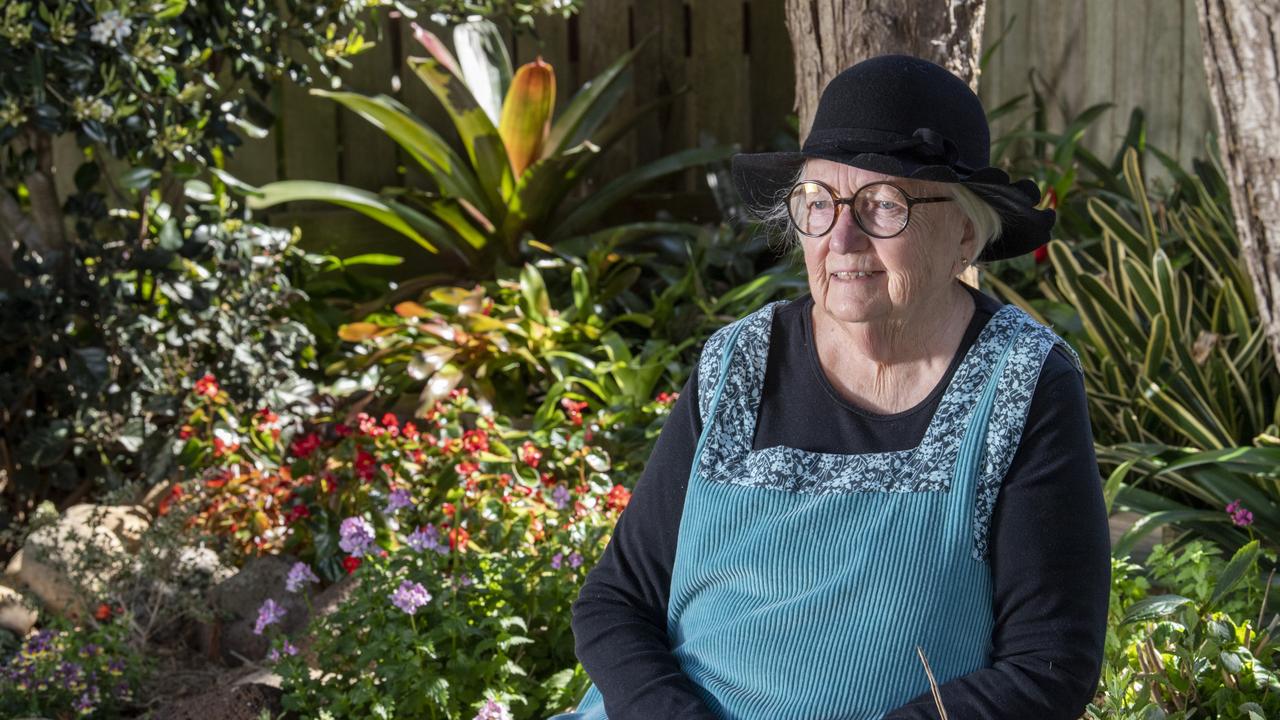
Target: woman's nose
(845,236)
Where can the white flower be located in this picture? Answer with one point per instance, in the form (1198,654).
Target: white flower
(112,29)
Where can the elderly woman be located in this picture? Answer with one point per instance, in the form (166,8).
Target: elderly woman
(894,467)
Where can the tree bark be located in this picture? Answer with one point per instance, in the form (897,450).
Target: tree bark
(828,36)
(1241,63)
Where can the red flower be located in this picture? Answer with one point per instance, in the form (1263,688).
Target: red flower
(186,431)
(458,538)
(207,386)
(667,398)
(103,612)
(297,512)
(266,418)
(574,409)
(1042,254)
(548,479)
(365,465)
(350,563)
(617,498)
(410,431)
(417,455)
(221,448)
(474,441)
(342,430)
(504,480)
(448,509)
(390,420)
(368,425)
(466,469)
(530,454)
(303,447)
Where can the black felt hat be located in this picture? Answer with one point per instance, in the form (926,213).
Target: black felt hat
(907,117)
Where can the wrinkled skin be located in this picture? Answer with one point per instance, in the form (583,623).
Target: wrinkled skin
(886,341)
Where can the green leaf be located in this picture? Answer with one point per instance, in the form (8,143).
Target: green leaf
(1154,608)
(1112,487)
(137,178)
(483,61)
(591,104)
(1242,562)
(627,184)
(479,135)
(361,201)
(1153,521)
(454,175)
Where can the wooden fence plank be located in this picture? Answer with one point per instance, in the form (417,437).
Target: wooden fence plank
(1196,109)
(718,74)
(771,76)
(604,38)
(1100,72)
(308,133)
(368,156)
(255,162)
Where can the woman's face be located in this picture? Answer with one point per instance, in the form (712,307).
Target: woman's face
(912,269)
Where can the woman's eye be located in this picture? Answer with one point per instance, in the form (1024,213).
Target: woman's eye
(820,205)
(886,205)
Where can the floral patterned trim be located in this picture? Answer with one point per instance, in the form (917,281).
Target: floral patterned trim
(727,455)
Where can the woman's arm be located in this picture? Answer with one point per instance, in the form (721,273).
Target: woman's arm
(620,616)
(1050,570)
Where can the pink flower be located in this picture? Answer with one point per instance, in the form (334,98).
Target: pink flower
(1240,516)
(207,386)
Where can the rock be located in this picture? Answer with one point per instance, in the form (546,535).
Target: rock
(15,615)
(67,562)
(127,522)
(236,602)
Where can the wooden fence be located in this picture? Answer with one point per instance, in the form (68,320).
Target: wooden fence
(734,57)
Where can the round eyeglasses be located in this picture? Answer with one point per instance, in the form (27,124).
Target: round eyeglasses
(881,209)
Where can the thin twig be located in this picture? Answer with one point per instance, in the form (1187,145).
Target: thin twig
(933,684)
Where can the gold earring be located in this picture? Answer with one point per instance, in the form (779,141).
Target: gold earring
(964,261)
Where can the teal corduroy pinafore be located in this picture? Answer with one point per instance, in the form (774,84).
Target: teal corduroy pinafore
(803,582)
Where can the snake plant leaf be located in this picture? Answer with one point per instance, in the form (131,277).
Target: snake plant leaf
(479,135)
(526,114)
(604,198)
(1157,346)
(362,201)
(1113,225)
(1261,460)
(433,153)
(484,63)
(1138,190)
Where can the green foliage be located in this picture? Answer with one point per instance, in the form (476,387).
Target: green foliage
(158,79)
(73,671)
(518,189)
(520,13)
(1181,642)
(96,357)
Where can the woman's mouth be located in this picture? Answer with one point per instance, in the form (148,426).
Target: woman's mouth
(856,276)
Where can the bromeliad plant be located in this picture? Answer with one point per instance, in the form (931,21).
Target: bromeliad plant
(507,343)
(514,191)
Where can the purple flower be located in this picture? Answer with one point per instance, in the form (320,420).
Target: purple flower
(493,711)
(396,501)
(269,614)
(287,648)
(428,538)
(299,575)
(560,496)
(575,560)
(355,536)
(556,560)
(410,596)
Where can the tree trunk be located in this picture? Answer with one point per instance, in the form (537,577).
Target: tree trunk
(828,36)
(1243,68)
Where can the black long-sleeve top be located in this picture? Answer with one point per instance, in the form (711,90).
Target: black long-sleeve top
(1049,543)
